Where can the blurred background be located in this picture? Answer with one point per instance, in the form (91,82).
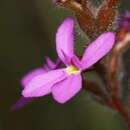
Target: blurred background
(27,36)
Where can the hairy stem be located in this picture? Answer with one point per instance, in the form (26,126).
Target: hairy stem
(71,4)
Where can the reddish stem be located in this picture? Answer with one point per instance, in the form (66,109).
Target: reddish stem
(121,109)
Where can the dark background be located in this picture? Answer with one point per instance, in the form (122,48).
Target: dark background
(27,36)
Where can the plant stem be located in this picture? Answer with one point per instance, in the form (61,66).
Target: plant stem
(117,105)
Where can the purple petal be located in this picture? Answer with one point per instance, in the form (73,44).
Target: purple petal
(66,89)
(22,101)
(27,78)
(41,84)
(64,40)
(97,49)
(46,67)
(76,62)
(50,65)
(58,62)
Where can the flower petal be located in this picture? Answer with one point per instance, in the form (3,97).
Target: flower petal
(28,77)
(97,49)
(66,89)
(50,64)
(41,84)
(64,40)
(76,62)
(22,101)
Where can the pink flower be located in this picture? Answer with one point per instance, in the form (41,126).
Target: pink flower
(66,82)
(50,65)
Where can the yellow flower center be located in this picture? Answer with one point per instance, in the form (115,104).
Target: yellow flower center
(72,70)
